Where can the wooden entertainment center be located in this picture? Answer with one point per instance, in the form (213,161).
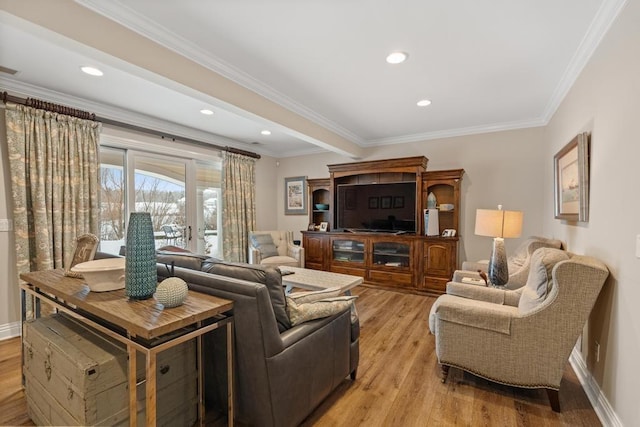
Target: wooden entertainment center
(389,258)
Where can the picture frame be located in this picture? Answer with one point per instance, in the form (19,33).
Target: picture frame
(385,202)
(295,195)
(398,202)
(324,226)
(85,250)
(571,180)
(311,227)
(373,202)
(449,232)
(350,200)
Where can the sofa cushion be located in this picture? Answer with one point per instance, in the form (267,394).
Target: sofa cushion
(539,281)
(267,275)
(264,244)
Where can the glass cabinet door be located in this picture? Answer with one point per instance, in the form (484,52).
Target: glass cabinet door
(392,254)
(348,250)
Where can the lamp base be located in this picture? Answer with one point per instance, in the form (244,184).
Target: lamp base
(498,267)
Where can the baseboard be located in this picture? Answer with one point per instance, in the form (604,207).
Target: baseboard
(9,330)
(600,404)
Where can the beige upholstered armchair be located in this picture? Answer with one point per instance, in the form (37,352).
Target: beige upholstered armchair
(518,263)
(521,338)
(274,248)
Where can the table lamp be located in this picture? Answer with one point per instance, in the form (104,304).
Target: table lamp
(498,224)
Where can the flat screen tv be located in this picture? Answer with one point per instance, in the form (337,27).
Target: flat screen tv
(384,207)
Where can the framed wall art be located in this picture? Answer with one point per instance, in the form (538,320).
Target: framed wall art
(571,180)
(295,195)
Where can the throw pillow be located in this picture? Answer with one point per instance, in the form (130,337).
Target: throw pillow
(264,244)
(540,280)
(304,312)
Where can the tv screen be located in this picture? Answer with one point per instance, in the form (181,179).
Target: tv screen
(388,207)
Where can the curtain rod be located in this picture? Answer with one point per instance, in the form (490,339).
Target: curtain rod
(56,108)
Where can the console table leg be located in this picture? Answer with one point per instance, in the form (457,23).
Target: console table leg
(230,393)
(151,388)
(133,420)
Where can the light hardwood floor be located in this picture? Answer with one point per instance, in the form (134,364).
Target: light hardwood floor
(398,380)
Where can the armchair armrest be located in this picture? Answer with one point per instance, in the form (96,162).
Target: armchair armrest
(460,275)
(297,252)
(254,255)
(476,314)
(481,293)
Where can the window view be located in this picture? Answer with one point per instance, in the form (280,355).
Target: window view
(183,205)
(112,207)
(160,190)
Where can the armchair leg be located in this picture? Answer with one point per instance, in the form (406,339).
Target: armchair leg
(554,399)
(444,371)
(354,374)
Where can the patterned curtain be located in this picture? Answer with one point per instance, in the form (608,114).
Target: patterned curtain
(53,160)
(239,204)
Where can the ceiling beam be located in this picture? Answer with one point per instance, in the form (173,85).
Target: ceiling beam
(86,27)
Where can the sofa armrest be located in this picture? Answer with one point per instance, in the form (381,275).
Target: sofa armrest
(301,331)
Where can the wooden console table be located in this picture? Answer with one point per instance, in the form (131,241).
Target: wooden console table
(142,325)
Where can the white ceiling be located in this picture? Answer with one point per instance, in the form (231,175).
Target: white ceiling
(485,66)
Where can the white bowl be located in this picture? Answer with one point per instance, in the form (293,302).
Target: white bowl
(102,274)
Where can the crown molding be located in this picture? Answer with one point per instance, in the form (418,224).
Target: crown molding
(120,13)
(449,133)
(606,15)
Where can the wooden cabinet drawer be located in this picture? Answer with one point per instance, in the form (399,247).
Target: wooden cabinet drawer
(388,278)
(360,272)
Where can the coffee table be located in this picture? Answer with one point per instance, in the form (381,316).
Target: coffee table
(317,280)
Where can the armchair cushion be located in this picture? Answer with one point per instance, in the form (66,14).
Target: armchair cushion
(539,281)
(264,244)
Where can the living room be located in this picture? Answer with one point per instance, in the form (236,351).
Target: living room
(514,168)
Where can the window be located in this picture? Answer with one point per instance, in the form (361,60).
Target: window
(181,193)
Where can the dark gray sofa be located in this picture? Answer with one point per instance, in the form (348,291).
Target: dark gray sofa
(282,373)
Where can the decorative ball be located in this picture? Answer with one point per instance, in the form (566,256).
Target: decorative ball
(172,292)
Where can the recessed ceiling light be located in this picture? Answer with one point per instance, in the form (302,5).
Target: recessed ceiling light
(206,112)
(266,132)
(423,103)
(397,57)
(92,71)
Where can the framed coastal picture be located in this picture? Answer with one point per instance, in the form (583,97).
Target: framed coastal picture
(295,195)
(571,180)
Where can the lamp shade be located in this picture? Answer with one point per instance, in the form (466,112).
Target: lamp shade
(498,223)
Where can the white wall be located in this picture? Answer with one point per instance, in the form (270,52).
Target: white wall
(605,101)
(500,168)
(9,292)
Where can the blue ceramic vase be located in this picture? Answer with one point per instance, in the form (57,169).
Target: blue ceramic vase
(141,276)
